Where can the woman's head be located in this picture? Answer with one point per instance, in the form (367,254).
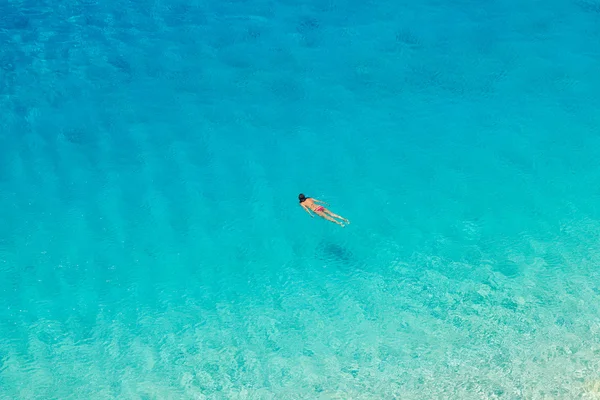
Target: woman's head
(301,197)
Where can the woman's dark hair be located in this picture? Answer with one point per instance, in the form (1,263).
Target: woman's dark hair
(301,197)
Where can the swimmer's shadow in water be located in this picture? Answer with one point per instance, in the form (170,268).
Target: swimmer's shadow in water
(332,253)
(509,268)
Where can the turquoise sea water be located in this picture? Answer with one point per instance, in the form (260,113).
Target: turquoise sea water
(151,243)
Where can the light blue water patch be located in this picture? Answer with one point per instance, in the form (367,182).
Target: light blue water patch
(152,247)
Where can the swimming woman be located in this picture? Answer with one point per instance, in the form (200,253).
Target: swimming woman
(309,204)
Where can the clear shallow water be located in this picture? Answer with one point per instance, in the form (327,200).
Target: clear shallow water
(151,246)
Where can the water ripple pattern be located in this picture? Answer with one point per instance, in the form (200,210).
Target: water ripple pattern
(152,152)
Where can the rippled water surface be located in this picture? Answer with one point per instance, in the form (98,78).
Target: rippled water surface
(151,243)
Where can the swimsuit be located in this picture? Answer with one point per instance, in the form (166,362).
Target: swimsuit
(319,209)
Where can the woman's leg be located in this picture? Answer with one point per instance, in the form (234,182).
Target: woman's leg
(327,217)
(335,215)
